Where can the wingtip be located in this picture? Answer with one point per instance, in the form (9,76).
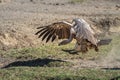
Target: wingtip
(47,41)
(38,27)
(37,33)
(104,42)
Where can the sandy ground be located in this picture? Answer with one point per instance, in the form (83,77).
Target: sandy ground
(20,18)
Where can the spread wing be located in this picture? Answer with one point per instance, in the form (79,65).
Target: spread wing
(60,30)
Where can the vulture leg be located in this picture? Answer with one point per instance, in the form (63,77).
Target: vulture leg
(77,47)
(91,46)
(81,45)
(84,47)
(96,48)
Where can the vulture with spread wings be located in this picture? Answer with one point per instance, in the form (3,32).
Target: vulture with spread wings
(79,29)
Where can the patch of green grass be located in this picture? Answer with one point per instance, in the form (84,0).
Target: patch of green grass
(48,73)
(56,70)
(48,50)
(53,51)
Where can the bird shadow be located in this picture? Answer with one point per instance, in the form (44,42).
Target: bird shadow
(72,51)
(111,68)
(115,78)
(32,63)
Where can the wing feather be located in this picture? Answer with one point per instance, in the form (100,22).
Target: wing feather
(50,35)
(43,28)
(46,34)
(42,33)
(60,30)
(53,38)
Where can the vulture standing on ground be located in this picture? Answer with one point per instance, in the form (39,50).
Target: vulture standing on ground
(79,29)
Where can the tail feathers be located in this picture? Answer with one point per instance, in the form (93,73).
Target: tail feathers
(104,42)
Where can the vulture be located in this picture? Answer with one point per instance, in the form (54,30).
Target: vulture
(79,30)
